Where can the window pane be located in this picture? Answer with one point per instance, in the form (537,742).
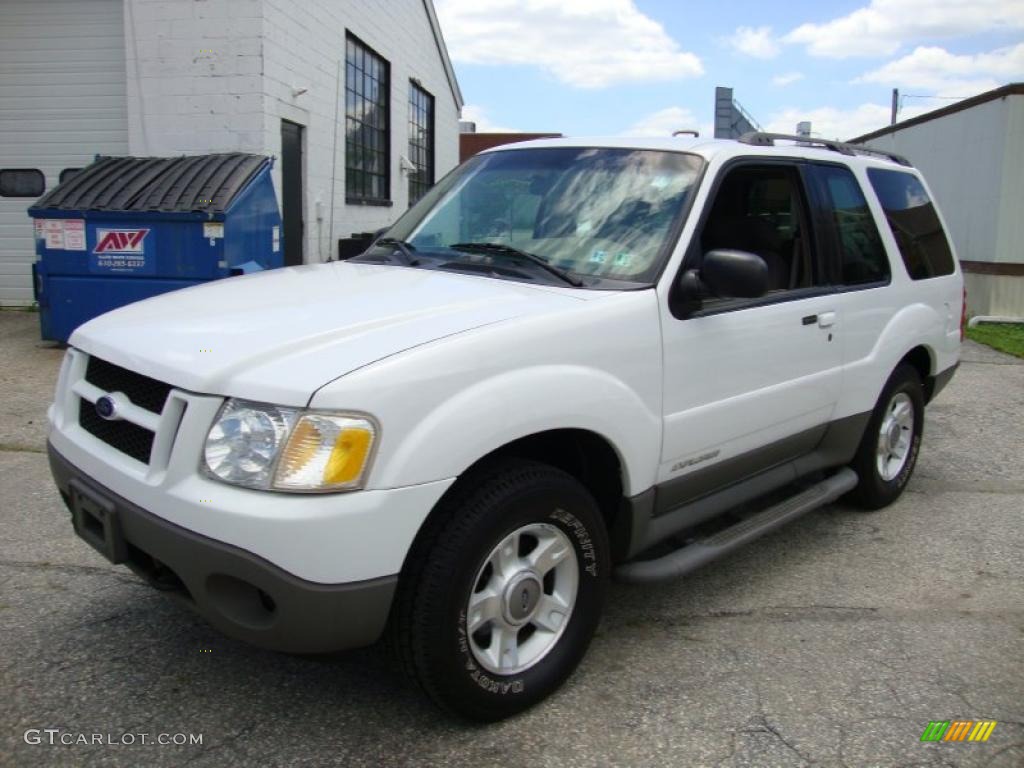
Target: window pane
(366,127)
(761,211)
(914,223)
(860,246)
(22,182)
(421,142)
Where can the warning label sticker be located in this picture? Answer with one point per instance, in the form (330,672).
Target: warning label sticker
(53,233)
(74,234)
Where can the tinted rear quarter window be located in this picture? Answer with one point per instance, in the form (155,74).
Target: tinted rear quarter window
(914,223)
(862,254)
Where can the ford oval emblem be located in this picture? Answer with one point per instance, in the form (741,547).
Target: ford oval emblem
(106,408)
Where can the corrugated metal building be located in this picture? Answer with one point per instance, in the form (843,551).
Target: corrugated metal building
(972,154)
(357,101)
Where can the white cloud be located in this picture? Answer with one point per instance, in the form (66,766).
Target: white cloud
(484,124)
(787,79)
(832,123)
(939,71)
(878,29)
(665,121)
(758,43)
(583,43)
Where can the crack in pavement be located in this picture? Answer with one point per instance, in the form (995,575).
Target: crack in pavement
(989,362)
(72,568)
(18,448)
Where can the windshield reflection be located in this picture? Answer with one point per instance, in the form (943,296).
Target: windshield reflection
(602,214)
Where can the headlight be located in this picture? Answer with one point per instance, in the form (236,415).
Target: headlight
(271,448)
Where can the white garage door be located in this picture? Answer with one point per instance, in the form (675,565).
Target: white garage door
(62,101)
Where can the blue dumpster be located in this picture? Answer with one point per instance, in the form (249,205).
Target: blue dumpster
(127,228)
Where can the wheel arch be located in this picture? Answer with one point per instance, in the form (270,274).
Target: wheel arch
(923,360)
(590,458)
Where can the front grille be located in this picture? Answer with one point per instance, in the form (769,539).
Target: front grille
(126,437)
(141,390)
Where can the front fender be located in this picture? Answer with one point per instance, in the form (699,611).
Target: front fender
(498,410)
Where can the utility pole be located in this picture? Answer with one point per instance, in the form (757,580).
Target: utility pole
(895,105)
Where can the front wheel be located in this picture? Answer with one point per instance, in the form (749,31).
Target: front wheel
(888,451)
(503,591)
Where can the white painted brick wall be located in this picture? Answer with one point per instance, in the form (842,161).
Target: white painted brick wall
(220,75)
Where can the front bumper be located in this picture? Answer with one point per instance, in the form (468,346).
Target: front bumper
(239,593)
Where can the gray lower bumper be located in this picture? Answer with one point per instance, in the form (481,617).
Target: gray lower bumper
(241,594)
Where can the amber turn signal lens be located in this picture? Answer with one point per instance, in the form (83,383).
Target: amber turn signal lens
(326,452)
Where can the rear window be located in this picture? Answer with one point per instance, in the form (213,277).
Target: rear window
(863,256)
(914,223)
(21,182)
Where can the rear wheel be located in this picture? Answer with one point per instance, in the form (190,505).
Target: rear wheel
(888,451)
(503,591)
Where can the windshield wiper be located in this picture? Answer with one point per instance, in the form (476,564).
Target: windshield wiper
(399,246)
(507,250)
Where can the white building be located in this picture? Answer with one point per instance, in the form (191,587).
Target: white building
(357,100)
(972,154)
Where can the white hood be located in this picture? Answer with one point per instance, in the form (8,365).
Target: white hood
(278,336)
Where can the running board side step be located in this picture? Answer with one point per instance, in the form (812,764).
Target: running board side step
(693,556)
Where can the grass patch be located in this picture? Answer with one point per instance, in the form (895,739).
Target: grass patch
(1006,337)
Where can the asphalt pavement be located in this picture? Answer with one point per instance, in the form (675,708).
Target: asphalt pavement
(833,642)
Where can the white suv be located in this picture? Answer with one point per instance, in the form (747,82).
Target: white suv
(568,352)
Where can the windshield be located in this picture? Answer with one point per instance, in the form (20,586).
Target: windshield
(602,217)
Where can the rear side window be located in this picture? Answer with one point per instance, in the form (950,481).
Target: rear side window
(21,182)
(862,254)
(914,223)
(68,173)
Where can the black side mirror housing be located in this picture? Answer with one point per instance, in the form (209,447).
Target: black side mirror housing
(734,274)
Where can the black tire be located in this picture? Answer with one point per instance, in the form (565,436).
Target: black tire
(875,491)
(428,627)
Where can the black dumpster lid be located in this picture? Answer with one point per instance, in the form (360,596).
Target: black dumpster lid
(204,183)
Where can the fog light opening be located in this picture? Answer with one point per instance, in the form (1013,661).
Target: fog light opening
(240,601)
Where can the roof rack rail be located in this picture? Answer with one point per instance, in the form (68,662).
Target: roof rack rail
(761,139)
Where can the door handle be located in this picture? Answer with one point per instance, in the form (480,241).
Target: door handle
(826,319)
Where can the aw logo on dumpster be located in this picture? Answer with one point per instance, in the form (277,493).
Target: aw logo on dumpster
(120,240)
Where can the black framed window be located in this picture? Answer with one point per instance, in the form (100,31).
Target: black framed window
(68,173)
(914,223)
(22,182)
(367,124)
(862,255)
(763,210)
(421,141)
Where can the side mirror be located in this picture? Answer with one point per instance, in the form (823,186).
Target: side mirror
(734,274)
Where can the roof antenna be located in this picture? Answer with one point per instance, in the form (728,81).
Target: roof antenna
(687,132)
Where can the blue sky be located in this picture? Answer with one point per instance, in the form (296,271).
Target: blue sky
(589,67)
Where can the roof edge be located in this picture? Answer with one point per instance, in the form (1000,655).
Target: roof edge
(446,60)
(1012,89)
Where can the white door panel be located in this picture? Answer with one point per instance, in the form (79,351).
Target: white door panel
(744,379)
